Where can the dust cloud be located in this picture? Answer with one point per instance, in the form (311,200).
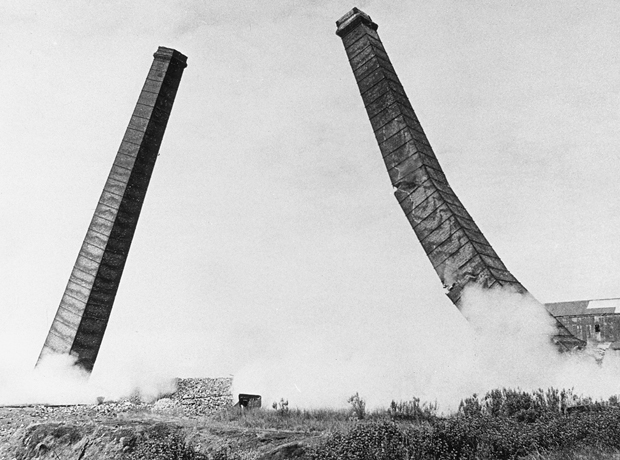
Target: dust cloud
(58,380)
(505,343)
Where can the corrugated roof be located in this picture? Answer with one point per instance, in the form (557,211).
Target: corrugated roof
(584,307)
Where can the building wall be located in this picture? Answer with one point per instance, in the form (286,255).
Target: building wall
(585,326)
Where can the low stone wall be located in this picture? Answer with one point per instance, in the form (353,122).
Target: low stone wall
(202,396)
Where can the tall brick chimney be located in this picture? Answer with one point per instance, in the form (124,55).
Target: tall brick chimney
(457,249)
(82,317)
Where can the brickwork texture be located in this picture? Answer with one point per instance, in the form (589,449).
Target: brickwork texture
(84,310)
(457,249)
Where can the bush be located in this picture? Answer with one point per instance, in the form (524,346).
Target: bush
(412,410)
(281,407)
(163,443)
(522,405)
(358,406)
(504,425)
(365,441)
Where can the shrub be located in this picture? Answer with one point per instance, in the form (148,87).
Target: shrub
(412,410)
(504,425)
(358,406)
(365,441)
(281,407)
(522,405)
(163,443)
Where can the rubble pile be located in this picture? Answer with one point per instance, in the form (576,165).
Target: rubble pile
(203,396)
(167,406)
(104,409)
(193,397)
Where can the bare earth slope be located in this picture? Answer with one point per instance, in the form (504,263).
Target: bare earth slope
(199,413)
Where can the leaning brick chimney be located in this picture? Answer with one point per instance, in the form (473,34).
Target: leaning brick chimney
(82,317)
(457,249)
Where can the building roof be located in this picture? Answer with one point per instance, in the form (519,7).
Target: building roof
(584,307)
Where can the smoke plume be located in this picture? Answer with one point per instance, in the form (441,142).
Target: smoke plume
(506,343)
(58,380)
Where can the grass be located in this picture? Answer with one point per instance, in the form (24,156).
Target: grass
(501,425)
(299,420)
(504,424)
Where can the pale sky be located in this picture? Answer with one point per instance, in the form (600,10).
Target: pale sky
(270,219)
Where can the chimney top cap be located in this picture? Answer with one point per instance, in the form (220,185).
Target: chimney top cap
(351,19)
(169,54)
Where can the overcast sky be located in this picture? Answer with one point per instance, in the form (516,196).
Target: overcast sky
(270,219)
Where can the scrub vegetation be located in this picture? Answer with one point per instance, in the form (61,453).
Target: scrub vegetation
(502,424)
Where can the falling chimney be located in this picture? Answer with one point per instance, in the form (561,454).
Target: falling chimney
(454,244)
(84,310)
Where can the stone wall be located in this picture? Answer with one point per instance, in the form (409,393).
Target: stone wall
(201,396)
